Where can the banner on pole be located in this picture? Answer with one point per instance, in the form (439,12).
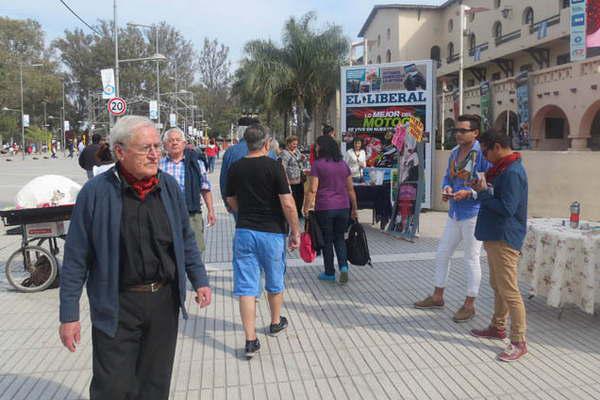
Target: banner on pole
(108,83)
(390,107)
(456,103)
(25,121)
(67,126)
(578,30)
(153,109)
(485,93)
(172,120)
(522,82)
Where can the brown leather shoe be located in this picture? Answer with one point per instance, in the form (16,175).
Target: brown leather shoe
(429,304)
(464,314)
(513,352)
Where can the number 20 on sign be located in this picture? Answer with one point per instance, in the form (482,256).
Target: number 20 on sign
(117,106)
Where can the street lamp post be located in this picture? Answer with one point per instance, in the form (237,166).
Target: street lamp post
(157,67)
(461,62)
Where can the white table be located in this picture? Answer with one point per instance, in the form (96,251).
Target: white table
(561,263)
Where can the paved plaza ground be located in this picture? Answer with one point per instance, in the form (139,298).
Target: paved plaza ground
(363,340)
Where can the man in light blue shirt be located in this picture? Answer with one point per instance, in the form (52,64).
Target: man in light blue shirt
(465,163)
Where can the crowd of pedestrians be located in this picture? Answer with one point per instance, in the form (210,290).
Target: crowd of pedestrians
(137,235)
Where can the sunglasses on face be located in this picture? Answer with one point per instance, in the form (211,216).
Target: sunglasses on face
(461,130)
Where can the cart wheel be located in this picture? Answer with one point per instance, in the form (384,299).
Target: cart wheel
(31,269)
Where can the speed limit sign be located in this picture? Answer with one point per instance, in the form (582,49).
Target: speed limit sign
(117,106)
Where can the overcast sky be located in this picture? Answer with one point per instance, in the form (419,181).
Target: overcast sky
(232,22)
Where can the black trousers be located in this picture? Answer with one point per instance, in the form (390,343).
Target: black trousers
(298,195)
(137,363)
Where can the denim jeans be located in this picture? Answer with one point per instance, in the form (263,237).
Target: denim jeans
(333,224)
(211,164)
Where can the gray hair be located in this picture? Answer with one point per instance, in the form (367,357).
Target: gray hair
(275,146)
(168,133)
(255,135)
(125,128)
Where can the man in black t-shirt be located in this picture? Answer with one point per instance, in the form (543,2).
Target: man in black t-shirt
(258,191)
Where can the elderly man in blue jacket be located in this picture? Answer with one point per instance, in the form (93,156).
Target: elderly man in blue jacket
(130,241)
(501,226)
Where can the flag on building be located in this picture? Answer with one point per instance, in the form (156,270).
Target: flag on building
(542,30)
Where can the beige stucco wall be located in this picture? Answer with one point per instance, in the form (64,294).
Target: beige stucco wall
(556,179)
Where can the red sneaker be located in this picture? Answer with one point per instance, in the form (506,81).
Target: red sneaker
(491,332)
(513,352)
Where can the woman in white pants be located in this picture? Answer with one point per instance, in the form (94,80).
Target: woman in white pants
(466,161)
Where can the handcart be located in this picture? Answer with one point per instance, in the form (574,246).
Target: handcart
(34,266)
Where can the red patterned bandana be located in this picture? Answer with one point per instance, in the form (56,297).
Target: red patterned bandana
(501,166)
(141,186)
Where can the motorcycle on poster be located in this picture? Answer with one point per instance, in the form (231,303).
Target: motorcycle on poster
(390,108)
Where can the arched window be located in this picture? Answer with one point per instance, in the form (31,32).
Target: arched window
(450,25)
(435,53)
(389,33)
(378,40)
(378,59)
(497,3)
(497,29)
(388,56)
(450,49)
(528,16)
(472,41)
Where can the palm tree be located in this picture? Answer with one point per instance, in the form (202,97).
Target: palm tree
(303,72)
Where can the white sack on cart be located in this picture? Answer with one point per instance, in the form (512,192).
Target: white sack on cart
(47,190)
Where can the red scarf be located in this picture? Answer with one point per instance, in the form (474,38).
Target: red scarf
(501,166)
(141,186)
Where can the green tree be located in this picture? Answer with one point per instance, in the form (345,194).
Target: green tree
(85,54)
(22,43)
(302,73)
(213,92)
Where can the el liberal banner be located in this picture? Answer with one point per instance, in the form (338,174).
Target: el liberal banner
(382,104)
(592,28)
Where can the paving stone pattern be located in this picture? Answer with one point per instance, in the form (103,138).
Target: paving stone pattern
(363,340)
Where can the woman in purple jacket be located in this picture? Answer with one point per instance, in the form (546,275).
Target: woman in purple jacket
(331,194)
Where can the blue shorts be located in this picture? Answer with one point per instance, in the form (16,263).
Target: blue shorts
(253,251)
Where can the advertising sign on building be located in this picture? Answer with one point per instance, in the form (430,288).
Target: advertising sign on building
(522,81)
(390,107)
(578,30)
(485,93)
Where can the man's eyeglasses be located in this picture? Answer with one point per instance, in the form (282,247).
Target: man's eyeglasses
(146,149)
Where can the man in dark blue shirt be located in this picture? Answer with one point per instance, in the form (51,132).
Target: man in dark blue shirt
(501,225)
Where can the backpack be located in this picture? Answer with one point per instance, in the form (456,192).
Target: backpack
(357,246)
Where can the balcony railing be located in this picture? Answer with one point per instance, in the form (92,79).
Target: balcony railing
(553,20)
(452,58)
(482,47)
(508,37)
